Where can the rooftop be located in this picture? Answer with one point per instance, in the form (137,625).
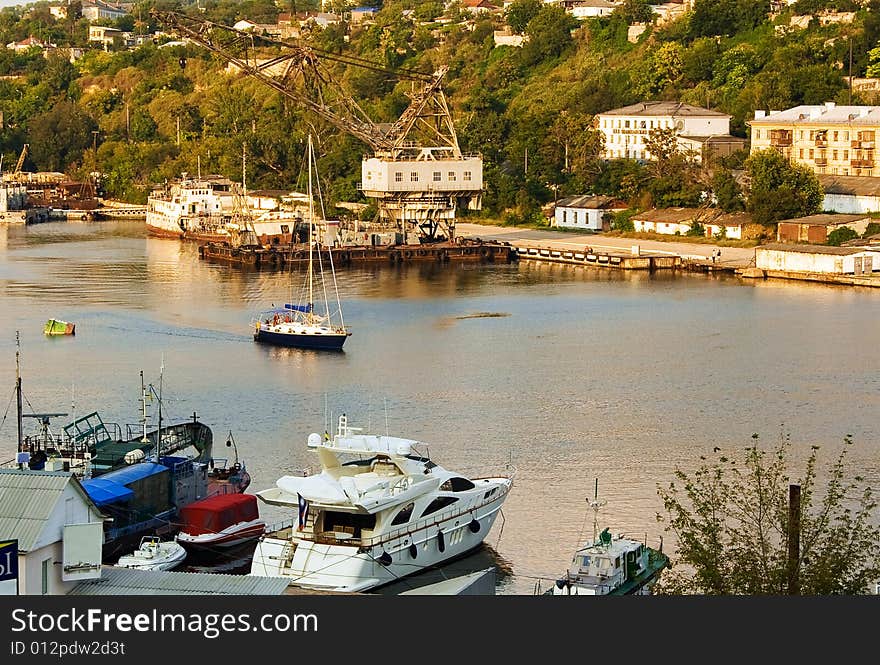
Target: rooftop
(589,201)
(828,113)
(654,109)
(128,582)
(856,185)
(825,219)
(27,499)
(810,249)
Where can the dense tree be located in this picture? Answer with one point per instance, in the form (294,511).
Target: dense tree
(779,190)
(839,236)
(728,193)
(520,12)
(549,35)
(731,521)
(59,136)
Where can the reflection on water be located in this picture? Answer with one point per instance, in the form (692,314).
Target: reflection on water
(593,373)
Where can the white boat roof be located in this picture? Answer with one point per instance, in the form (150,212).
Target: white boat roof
(367,443)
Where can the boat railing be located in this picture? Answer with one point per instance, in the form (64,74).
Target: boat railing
(334,537)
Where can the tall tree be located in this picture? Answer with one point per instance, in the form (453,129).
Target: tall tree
(731,521)
(59,136)
(779,190)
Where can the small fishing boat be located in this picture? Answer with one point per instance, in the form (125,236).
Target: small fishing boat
(223,520)
(610,565)
(299,324)
(154,554)
(58,327)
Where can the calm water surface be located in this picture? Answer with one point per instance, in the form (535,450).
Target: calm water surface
(591,374)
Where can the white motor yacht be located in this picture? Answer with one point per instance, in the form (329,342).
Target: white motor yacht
(154,554)
(378,511)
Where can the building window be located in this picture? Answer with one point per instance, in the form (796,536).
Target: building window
(846,136)
(413,177)
(802,153)
(436,176)
(802,134)
(811,153)
(845,155)
(451,176)
(834,154)
(466,176)
(626,124)
(835,136)
(643,124)
(398,176)
(564,215)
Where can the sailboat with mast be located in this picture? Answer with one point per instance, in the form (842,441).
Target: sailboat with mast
(300,324)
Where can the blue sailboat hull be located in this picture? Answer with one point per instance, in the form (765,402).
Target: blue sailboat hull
(331,341)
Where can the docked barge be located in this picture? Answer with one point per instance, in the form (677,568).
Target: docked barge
(294,256)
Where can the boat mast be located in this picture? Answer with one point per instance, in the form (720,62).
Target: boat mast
(311,224)
(144,408)
(159,430)
(18,387)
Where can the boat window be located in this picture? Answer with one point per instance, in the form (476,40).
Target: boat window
(403,516)
(457,484)
(439,503)
(617,562)
(585,562)
(350,523)
(490,493)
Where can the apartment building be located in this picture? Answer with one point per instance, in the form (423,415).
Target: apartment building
(700,131)
(830,139)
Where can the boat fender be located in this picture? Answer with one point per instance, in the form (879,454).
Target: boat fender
(384,558)
(474,526)
(413,551)
(408,254)
(441,544)
(560,584)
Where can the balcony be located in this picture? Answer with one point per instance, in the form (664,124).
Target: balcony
(862,163)
(780,141)
(822,143)
(821,161)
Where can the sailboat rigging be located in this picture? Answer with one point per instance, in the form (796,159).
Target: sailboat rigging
(299,324)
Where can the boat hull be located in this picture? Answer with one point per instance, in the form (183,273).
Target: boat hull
(229,537)
(313,565)
(330,342)
(171,560)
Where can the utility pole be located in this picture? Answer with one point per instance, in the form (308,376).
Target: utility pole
(18,388)
(850,71)
(794,538)
(127,124)
(526,161)
(178,130)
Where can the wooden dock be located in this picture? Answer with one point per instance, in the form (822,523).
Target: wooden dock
(617,260)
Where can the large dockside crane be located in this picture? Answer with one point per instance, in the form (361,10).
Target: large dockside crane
(417,172)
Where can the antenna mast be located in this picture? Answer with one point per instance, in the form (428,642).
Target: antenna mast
(595,504)
(18,387)
(144,408)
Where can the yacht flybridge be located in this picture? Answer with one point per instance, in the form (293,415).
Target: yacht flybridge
(376,512)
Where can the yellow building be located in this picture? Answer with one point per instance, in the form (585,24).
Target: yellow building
(830,139)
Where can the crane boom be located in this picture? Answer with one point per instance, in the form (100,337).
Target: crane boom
(417,173)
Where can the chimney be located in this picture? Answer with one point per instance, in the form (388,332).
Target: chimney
(760,114)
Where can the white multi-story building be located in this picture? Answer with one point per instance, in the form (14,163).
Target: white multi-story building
(829,139)
(698,130)
(101,10)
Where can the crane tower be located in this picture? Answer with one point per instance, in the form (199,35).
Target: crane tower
(417,172)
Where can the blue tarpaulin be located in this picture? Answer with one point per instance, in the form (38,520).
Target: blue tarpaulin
(129,474)
(298,308)
(103,491)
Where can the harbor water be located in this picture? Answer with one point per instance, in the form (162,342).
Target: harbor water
(567,373)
